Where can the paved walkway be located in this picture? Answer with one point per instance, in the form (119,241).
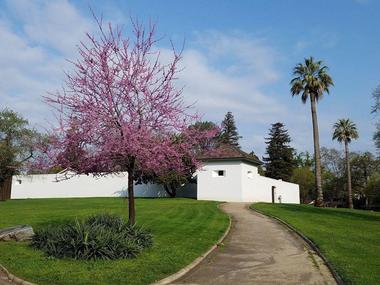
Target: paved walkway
(260,251)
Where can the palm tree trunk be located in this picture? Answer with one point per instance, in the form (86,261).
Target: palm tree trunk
(317,154)
(348,168)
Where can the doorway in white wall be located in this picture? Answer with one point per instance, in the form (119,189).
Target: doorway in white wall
(273,194)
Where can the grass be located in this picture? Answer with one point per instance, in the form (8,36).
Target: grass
(349,239)
(183,229)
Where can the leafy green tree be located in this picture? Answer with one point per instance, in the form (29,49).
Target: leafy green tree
(17,145)
(344,132)
(279,163)
(305,178)
(372,191)
(303,159)
(229,133)
(332,160)
(363,166)
(172,179)
(310,81)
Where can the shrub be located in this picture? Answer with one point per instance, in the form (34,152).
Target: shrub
(102,236)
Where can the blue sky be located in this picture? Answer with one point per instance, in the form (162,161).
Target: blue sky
(238,57)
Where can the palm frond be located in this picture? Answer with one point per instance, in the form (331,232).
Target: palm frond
(311,77)
(344,130)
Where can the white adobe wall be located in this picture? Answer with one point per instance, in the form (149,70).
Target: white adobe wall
(46,186)
(225,188)
(287,192)
(242,183)
(257,188)
(260,190)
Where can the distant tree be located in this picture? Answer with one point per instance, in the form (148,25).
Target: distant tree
(124,101)
(332,160)
(279,162)
(372,191)
(334,177)
(344,132)
(376,98)
(260,168)
(229,133)
(204,126)
(376,109)
(376,137)
(303,159)
(311,80)
(305,178)
(363,166)
(17,144)
(171,179)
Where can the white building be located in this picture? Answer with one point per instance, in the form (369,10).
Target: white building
(231,175)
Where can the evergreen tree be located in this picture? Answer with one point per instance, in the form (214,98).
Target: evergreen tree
(229,133)
(279,163)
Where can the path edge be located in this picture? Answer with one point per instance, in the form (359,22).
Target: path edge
(313,246)
(198,260)
(14,279)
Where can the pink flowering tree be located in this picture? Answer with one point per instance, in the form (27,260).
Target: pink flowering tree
(120,109)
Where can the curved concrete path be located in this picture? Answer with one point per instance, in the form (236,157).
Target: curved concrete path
(260,251)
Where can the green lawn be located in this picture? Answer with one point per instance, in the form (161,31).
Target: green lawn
(349,239)
(183,229)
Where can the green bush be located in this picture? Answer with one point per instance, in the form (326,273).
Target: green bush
(102,236)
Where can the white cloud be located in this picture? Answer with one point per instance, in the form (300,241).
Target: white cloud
(226,73)
(55,24)
(223,72)
(33,53)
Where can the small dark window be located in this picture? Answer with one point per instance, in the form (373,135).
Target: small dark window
(218,173)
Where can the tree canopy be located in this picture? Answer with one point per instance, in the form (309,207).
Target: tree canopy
(229,133)
(126,110)
(17,143)
(279,162)
(345,131)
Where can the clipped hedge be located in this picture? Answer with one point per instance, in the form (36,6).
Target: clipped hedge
(103,236)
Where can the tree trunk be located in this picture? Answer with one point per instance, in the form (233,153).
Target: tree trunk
(170,190)
(131,194)
(2,191)
(6,189)
(348,169)
(317,153)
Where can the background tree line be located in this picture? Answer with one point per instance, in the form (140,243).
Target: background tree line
(284,162)
(329,177)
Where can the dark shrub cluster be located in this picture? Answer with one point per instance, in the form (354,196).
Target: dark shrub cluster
(102,236)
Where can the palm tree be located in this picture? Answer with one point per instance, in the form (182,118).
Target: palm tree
(311,80)
(345,131)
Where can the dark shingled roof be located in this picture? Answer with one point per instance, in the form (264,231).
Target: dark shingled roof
(230,153)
